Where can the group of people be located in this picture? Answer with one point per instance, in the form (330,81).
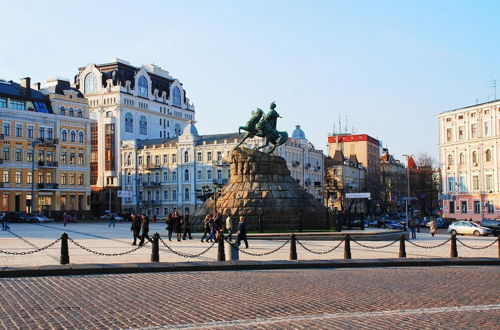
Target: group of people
(181,225)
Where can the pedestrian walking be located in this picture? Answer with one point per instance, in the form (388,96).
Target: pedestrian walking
(135,227)
(112,220)
(187,226)
(206,227)
(242,232)
(178,224)
(212,230)
(145,230)
(5,221)
(170,225)
(432,227)
(229,227)
(412,224)
(65,219)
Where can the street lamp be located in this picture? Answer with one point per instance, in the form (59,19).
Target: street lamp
(408,187)
(33,144)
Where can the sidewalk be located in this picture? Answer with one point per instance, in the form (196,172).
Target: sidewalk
(98,237)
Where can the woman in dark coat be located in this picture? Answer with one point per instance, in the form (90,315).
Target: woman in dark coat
(178,225)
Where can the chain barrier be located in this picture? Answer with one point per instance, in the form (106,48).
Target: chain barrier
(186,255)
(260,254)
(106,254)
(426,246)
(374,247)
(32,251)
(475,247)
(322,252)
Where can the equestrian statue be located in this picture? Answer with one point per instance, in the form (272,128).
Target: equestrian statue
(264,126)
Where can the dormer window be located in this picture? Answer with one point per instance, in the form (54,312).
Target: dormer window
(90,84)
(176,97)
(143,87)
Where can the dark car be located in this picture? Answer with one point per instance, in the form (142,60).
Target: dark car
(493,224)
(391,224)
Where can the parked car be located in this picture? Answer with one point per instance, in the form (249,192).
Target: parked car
(468,228)
(440,223)
(39,218)
(371,223)
(492,224)
(391,224)
(116,216)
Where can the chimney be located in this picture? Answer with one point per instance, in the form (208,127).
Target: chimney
(26,82)
(38,85)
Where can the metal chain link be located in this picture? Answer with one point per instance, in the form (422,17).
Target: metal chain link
(374,247)
(475,247)
(32,251)
(186,255)
(106,254)
(260,254)
(323,252)
(428,247)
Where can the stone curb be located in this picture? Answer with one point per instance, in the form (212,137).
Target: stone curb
(92,269)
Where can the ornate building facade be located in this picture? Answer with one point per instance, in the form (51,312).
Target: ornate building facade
(469,146)
(47,130)
(163,174)
(128,103)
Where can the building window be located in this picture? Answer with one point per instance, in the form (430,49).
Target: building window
(174,158)
(80,137)
(477,207)
(80,113)
(186,175)
(19,130)
(176,99)
(199,157)
(6,128)
(29,177)
(488,155)
(460,133)
(475,182)
(71,112)
(174,176)
(461,158)
(41,132)
(474,157)
(129,123)
(177,129)
(209,156)
(487,128)
(198,175)
(63,158)
(49,177)
(72,158)
(19,105)
(186,194)
(473,131)
(165,195)
(452,207)
(80,159)
(62,110)
(450,159)
(451,183)
(72,136)
(72,178)
(143,86)
(489,182)
(50,133)
(165,176)
(6,176)
(209,175)
(491,207)
(462,184)
(64,135)
(6,153)
(3,102)
(464,206)
(19,154)
(18,177)
(40,177)
(80,179)
(143,125)
(448,135)
(30,131)
(90,83)
(186,157)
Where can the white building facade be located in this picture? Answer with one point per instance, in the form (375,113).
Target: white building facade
(469,141)
(163,174)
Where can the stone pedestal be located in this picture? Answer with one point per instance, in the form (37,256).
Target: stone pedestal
(261,186)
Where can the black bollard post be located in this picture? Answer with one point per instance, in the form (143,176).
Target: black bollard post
(347,247)
(261,228)
(155,252)
(293,248)
(453,252)
(64,260)
(402,248)
(221,256)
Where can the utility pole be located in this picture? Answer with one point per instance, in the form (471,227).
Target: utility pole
(33,144)
(408,186)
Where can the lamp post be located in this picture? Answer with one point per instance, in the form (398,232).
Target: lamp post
(408,187)
(33,144)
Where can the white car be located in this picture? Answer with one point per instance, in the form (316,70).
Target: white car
(40,218)
(468,228)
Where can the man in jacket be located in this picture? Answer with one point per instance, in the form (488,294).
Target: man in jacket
(229,227)
(187,226)
(145,229)
(135,227)
(242,232)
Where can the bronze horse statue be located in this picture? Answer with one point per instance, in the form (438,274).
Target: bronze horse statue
(264,126)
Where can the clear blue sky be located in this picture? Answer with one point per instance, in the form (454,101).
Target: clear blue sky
(391,66)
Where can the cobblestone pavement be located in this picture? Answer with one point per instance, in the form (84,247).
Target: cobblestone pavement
(99,237)
(382,298)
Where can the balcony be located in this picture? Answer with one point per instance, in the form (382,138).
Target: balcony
(48,142)
(44,163)
(152,166)
(47,186)
(151,184)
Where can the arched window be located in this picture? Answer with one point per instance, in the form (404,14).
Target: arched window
(71,113)
(129,160)
(72,136)
(186,194)
(129,123)
(143,125)
(129,177)
(186,157)
(450,159)
(474,156)
(186,175)
(80,113)
(80,137)
(176,96)
(462,158)
(63,110)
(90,85)
(64,135)
(488,155)
(143,87)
